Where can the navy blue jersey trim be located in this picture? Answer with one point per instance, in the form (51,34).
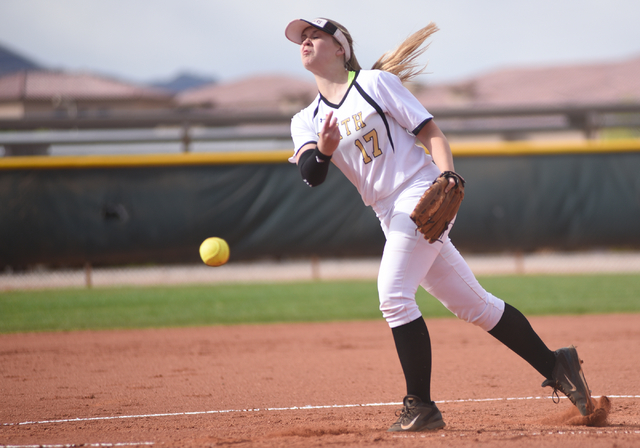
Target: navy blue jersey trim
(315,112)
(378,109)
(420,126)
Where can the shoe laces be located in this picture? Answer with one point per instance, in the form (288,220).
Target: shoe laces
(554,395)
(557,386)
(404,412)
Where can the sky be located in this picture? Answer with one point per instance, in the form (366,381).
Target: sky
(155,40)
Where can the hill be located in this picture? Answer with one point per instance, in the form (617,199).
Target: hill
(11,62)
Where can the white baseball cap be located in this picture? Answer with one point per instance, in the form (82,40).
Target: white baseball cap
(296,27)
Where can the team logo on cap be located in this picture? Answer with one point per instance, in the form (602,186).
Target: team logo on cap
(320,22)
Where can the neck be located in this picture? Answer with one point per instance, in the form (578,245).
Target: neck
(333,85)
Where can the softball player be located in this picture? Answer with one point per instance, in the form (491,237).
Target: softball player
(369,125)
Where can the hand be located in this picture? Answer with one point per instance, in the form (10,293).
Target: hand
(329,137)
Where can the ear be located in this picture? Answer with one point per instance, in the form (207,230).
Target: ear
(340,51)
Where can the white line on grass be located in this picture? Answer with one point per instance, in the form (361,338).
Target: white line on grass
(291,408)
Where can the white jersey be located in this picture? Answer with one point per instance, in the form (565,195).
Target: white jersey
(378,119)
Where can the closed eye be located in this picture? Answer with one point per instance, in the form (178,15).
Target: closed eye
(314,35)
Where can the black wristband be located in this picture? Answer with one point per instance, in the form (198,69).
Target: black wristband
(314,166)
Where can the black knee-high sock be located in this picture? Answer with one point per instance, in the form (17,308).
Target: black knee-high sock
(515,331)
(414,350)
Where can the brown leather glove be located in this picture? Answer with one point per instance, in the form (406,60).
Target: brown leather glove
(436,209)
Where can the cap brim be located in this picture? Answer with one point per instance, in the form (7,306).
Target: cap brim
(294,30)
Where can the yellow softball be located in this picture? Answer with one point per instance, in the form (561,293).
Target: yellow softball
(214,251)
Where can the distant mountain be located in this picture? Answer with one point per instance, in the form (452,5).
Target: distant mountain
(184,81)
(11,62)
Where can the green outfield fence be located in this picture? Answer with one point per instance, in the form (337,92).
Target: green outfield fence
(97,210)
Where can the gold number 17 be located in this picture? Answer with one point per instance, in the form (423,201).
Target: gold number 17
(369,137)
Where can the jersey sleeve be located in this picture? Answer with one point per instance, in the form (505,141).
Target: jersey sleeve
(302,132)
(400,103)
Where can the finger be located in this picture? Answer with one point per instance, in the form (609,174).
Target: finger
(452,184)
(328,121)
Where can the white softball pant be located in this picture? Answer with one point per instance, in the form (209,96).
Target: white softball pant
(409,260)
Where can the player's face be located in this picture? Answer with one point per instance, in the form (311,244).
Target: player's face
(319,48)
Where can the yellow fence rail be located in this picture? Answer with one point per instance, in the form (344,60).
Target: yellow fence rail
(490,149)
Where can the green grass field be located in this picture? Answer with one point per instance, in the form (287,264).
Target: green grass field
(222,304)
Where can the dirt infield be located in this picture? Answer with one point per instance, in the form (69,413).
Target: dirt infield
(305,385)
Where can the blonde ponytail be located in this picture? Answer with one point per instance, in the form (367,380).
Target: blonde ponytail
(402,61)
